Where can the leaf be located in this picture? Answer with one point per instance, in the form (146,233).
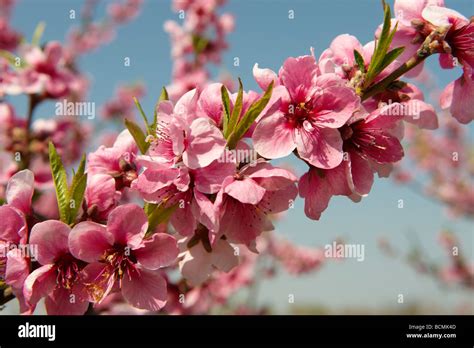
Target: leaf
(199,43)
(138,135)
(163,96)
(139,107)
(391,56)
(76,195)
(381,47)
(80,171)
(38,33)
(159,215)
(359,60)
(12,59)
(226,104)
(149,208)
(249,118)
(234,118)
(60,183)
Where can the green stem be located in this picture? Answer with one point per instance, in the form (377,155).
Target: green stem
(381,86)
(428,47)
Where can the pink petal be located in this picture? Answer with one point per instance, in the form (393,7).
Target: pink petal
(128,224)
(99,280)
(12,225)
(88,241)
(209,179)
(40,283)
(321,147)
(426,118)
(146,289)
(196,266)
(206,144)
(274,137)
(252,222)
(245,191)
(298,74)
(223,256)
(204,211)
(442,16)
(183,219)
(151,180)
(462,106)
(17,269)
(362,174)
(343,47)
(65,302)
(20,190)
(159,251)
(336,105)
(51,240)
(264,77)
(270,177)
(317,186)
(277,201)
(210,103)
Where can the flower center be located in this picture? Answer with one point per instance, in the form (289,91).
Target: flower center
(68,269)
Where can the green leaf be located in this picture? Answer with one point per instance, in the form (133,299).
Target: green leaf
(60,183)
(80,171)
(234,118)
(38,33)
(163,96)
(139,107)
(159,215)
(249,118)
(199,43)
(76,195)
(391,56)
(381,46)
(226,104)
(138,135)
(149,208)
(359,60)
(12,59)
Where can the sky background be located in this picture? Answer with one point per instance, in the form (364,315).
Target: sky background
(264,34)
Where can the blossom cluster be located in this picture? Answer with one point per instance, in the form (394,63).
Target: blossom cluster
(196,190)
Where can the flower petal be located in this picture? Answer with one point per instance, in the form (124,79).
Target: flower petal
(51,240)
(89,240)
(159,251)
(274,137)
(128,223)
(20,190)
(145,289)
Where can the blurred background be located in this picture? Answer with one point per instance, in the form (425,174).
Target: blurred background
(265,34)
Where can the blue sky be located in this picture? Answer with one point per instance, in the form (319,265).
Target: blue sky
(264,34)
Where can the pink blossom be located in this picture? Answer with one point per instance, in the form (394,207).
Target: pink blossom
(44,72)
(249,197)
(197,263)
(311,108)
(9,39)
(458,97)
(370,144)
(183,136)
(117,161)
(58,279)
(14,232)
(122,258)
